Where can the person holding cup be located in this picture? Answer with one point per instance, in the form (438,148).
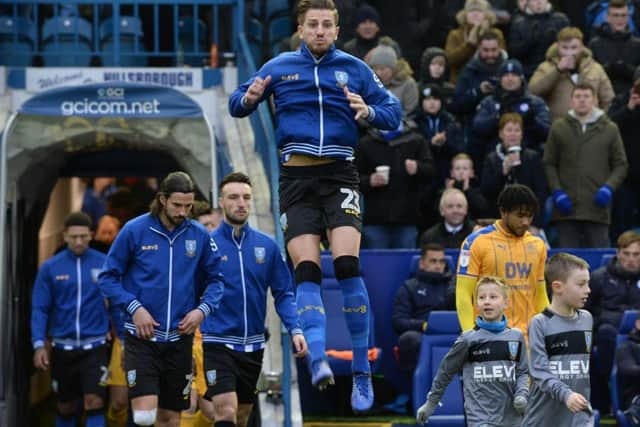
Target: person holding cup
(511,163)
(394,167)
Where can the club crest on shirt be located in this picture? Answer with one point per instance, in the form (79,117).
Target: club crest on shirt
(211,377)
(94,274)
(342,78)
(131,377)
(513,349)
(587,340)
(190,247)
(259,252)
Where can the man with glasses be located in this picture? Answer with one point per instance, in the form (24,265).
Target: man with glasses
(615,47)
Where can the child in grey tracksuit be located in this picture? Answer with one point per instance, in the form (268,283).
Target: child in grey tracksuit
(493,360)
(560,344)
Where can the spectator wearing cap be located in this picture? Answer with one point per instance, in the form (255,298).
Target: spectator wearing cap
(434,70)
(441,130)
(512,163)
(510,96)
(396,75)
(615,47)
(463,42)
(569,63)
(367,25)
(390,215)
(533,31)
(625,112)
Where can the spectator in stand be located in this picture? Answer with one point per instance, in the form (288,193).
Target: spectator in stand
(478,79)
(628,358)
(430,289)
(533,31)
(367,23)
(584,162)
(463,42)
(616,48)
(614,289)
(396,75)
(412,24)
(511,163)
(107,230)
(391,213)
(434,70)
(442,131)
(455,225)
(569,63)
(464,178)
(511,96)
(625,112)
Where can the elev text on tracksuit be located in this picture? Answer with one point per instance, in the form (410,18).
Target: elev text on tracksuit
(251,263)
(151,267)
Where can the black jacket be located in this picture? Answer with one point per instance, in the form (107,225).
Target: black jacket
(613,291)
(618,53)
(439,234)
(530,173)
(628,122)
(628,358)
(396,202)
(429,125)
(531,35)
(419,296)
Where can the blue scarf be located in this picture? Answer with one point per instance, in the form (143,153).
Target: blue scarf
(495,327)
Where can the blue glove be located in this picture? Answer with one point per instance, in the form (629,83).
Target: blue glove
(562,202)
(603,196)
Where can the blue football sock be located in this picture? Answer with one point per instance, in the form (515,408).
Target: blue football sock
(356,311)
(312,318)
(65,421)
(95,418)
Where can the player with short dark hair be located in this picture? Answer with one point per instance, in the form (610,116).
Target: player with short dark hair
(68,309)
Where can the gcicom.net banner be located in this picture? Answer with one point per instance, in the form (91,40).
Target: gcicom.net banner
(113,100)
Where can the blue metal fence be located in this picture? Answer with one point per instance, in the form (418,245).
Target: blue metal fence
(118,32)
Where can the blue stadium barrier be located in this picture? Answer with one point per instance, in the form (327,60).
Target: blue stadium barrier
(339,337)
(442,332)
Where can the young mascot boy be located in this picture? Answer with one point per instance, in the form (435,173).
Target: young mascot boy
(493,360)
(560,343)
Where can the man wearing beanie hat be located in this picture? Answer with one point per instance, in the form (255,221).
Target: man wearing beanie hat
(367,25)
(625,112)
(511,96)
(395,75)
(445,138)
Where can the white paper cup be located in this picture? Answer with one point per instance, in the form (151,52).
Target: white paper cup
(384,170)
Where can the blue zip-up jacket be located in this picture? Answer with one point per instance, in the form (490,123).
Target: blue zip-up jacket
(67,304)
(313,116)
(148,266)
(251,263)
